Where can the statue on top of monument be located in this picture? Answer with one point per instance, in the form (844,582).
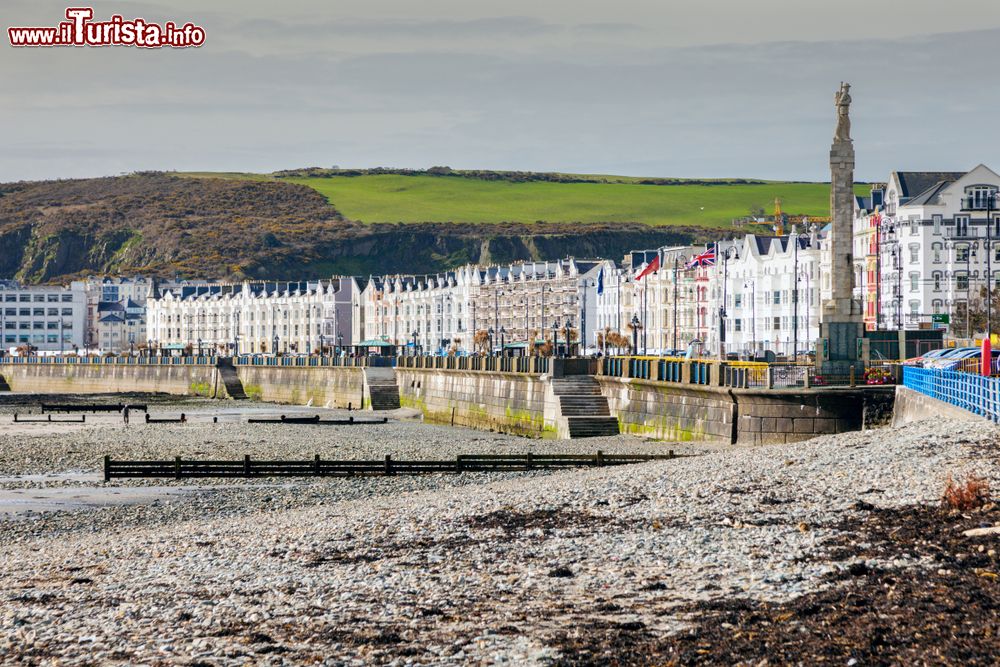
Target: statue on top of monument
(842,100)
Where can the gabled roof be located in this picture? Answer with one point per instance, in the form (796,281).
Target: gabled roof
(930,195)
(912,183)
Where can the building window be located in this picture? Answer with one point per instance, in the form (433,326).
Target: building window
(914,282)
(937,224)
(738,324)
(961,225)
(962,254)
(914,254)
(776,325)
(777,298)
(981,197)
(937,281)
(962,281)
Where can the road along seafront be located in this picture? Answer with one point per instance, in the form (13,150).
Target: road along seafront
(633,564)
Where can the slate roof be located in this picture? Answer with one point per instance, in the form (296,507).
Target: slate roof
(929,196)
(913,183)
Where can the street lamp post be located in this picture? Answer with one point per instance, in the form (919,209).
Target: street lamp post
(734,251)
(635,334)
(676,297)
(569,325)
(503,334)
(274,349)
(990,201)
(543,306)
(795,301)
(489,334)
(555,338)
(414,334)
(496,309)
(753,316)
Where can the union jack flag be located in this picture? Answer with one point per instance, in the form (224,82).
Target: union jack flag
(706,258)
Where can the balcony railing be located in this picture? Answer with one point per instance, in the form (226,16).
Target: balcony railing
(980,203)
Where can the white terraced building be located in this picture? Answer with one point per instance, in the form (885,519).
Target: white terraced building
(512,303)
(925,245)
(760,278)
(249,317)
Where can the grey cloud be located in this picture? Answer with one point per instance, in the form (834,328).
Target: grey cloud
(757,110)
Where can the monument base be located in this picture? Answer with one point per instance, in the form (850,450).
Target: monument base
(842,340)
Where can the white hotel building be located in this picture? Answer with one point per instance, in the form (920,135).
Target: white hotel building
(925,245)
(251,317)
(512,303)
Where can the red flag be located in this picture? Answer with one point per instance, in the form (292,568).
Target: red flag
(650,268)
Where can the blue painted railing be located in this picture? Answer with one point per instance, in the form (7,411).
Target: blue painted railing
(978,394)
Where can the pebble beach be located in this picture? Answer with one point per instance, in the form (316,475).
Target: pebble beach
(477,568)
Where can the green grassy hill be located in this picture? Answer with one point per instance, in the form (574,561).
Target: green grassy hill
(461,198)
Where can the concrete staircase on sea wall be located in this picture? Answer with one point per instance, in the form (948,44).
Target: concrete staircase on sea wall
(231,380)
(381,388)
(583,410)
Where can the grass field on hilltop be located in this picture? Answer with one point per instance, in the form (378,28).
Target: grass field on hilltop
(426,198)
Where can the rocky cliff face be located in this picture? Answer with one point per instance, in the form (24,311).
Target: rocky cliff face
(157,224)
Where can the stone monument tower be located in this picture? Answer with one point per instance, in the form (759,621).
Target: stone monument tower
(841,322)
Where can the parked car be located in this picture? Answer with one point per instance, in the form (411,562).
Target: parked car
(953,360)
(927,356)
(970,362)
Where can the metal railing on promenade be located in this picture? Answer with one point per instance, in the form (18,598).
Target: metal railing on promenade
(978,394)
(332,361)
(113,361)
(527,365)
(746,374)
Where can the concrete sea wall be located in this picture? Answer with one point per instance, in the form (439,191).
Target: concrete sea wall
(677,411)
(504,402)
(184,380)
(912,406)
(338,387)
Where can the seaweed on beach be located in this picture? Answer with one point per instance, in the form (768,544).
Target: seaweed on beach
(944,612)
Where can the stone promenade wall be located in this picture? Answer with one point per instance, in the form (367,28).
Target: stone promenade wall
(338,387)
(184,380)
(913,406)
(504,402)
(675,411)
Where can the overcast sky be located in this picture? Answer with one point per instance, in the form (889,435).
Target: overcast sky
(729,88)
